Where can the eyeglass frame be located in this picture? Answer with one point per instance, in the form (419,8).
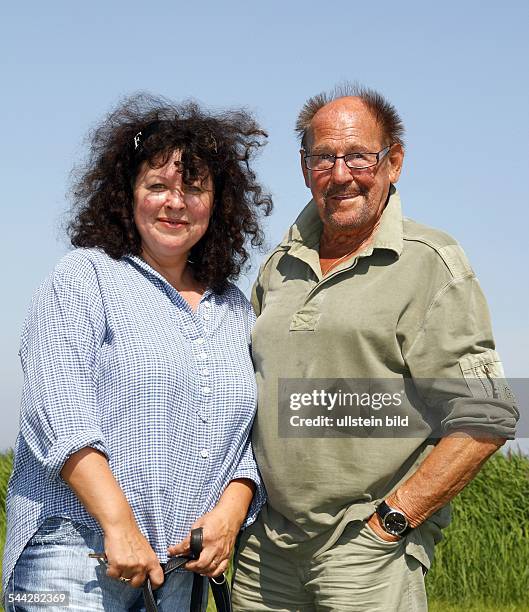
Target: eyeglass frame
(379,156)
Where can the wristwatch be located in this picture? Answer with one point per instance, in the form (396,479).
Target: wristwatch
(394,521)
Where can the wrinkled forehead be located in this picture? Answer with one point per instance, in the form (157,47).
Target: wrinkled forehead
(345,122)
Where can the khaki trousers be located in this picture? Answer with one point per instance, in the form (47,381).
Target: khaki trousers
(360,573)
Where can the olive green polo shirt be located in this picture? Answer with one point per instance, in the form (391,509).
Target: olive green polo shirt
(407,307)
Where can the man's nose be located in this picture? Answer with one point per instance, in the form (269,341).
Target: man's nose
(341,173)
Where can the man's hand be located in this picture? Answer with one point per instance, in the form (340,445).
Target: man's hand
(220,528)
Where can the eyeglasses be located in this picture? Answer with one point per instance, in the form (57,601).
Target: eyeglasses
(355,161)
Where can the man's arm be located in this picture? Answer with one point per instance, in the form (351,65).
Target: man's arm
(454,343)
(450,466)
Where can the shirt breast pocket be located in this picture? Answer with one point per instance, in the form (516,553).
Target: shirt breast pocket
(305,320)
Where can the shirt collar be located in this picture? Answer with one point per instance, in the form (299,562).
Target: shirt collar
(141,263)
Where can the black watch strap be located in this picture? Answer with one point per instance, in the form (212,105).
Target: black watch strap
(383,509)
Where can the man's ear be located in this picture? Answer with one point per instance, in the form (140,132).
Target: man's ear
(306,173)
(396,158)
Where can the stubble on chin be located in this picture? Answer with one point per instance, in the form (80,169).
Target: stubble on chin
(358,216)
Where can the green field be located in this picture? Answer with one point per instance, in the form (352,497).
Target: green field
(441,606)
(482,565)
(485,555)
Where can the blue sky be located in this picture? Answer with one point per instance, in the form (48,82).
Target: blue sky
(457,72)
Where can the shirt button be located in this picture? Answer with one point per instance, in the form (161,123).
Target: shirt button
(199,341)
(207,304)
(204,453)
(206,390)
(203,356)
(206,317)
(205,372)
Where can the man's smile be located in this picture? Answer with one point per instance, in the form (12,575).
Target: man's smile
(347,196)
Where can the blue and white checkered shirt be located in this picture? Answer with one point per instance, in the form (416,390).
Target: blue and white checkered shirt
(114,358)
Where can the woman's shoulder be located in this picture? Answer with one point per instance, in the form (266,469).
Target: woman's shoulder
(237,301)
(83,258)
(234,296)
(77,269)
(84,263)
(74,283)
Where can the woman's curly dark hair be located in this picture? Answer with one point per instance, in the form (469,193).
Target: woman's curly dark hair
(146,128)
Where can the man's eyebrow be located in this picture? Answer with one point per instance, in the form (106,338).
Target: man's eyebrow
(320,150)
(354,148)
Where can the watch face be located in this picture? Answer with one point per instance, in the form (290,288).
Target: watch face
(395,523)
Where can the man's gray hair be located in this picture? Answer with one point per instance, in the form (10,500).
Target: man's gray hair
(384,112)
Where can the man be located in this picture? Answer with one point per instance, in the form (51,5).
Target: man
(356,292)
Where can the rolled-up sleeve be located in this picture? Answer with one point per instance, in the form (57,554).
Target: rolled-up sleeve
(60,348)
(455,366)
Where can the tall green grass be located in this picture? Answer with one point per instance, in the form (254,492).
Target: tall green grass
(6,465)
(485,555)
(442,606)
(482,565)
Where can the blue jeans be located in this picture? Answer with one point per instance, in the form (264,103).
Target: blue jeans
(56,559)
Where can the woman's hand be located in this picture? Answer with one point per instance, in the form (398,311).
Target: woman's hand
(129,555)
(219,532)
(220,528)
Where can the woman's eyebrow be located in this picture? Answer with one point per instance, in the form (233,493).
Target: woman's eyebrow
(157,177)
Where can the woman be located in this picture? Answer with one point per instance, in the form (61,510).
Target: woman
(138,385)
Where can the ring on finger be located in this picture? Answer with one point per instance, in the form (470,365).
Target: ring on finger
(123,579)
